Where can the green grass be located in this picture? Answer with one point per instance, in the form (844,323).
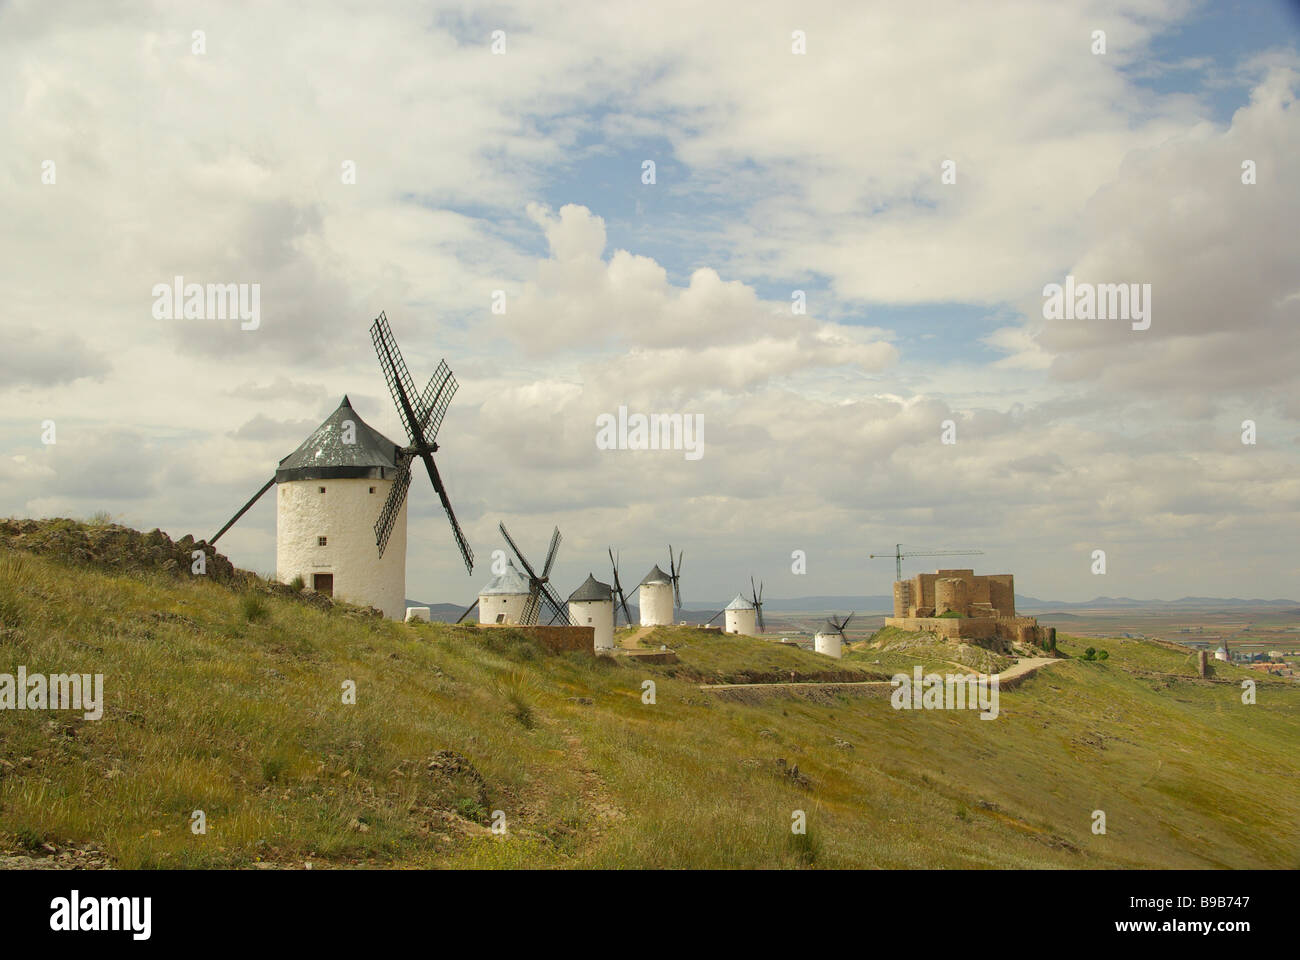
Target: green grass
(214,707)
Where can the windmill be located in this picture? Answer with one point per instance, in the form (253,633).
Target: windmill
(540,593)
(421,417)
(756,597)
(899,556)
(618,589)
(324,517)
(830,638)
(659,593)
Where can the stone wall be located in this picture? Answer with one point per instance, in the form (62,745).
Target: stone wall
(1021,629)
(951,628)
(555,639)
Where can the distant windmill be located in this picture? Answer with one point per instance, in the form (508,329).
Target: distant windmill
(503,599)
(899,555)
(830,638)
(540,593)
(619,595)
(659,593)
(421,416)
(745,614)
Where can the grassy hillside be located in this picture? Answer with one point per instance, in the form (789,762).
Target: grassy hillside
(226,698)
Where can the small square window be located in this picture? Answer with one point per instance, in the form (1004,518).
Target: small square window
(320,541)
(372,489)
(322,489)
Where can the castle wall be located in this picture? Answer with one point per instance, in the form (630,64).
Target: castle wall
(973,628)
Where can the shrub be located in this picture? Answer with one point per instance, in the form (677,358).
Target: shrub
(297,584)
(1090,653)
(254,608)
(1103,654)
(471,809)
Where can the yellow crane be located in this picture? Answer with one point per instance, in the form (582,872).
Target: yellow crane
(898,556)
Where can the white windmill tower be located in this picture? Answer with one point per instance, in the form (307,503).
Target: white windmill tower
(829,640)
(505,598)
(741,616)
(659,593)
(347,474)
(592,605)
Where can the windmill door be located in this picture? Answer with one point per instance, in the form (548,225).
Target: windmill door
(323,583)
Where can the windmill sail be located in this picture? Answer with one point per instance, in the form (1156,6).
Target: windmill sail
(541,598)
(422,416)
(618,588)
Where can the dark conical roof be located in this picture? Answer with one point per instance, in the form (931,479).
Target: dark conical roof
(655,576)
(324,455)
(592,589)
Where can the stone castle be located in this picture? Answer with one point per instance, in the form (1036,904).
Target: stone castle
(959,604)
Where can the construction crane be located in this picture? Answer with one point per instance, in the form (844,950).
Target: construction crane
(898,556)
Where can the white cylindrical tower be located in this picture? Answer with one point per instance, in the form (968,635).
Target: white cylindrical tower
(741,617)
(505,597)
(828,641)
(329,493)
(592,605)
(655,599)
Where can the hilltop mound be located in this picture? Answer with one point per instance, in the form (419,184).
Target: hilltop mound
(114,547)
(891,647)
(232,698)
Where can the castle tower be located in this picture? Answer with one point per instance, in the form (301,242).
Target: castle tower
(329,493)
(903,598)
(592,605)
(951,595)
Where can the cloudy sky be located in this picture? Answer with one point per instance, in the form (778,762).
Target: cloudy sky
(774,171)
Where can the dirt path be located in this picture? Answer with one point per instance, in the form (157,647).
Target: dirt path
(1023,666)
(631,640)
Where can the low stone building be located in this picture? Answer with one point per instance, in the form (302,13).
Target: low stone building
(961,604)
